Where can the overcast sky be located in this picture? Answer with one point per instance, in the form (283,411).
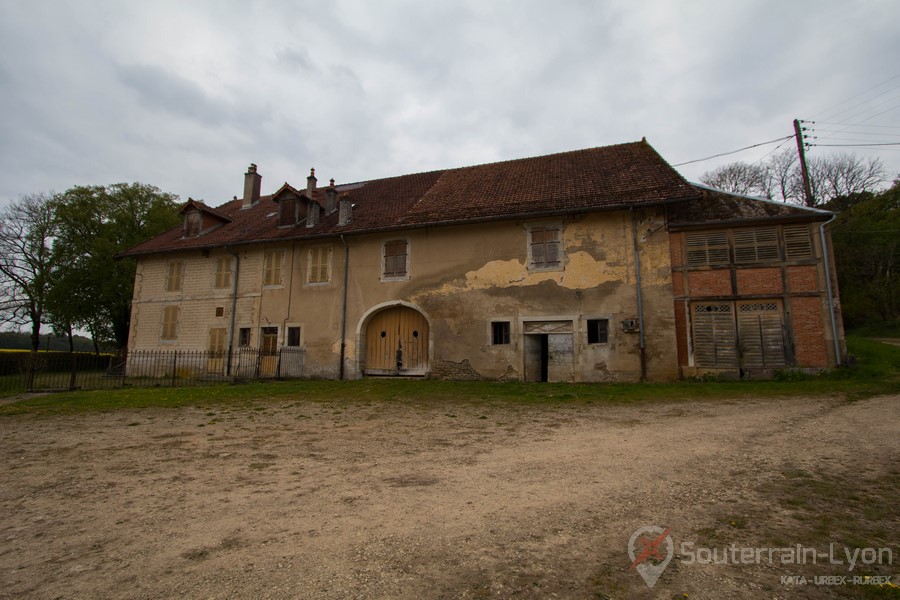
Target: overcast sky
(185,95)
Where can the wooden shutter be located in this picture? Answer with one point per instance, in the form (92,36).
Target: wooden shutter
(797,242)
(761,333)
(708,248)
(395,258)
(715,337)
(223,272)
(758,244)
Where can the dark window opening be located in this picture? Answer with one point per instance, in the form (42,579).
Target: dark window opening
(244,337)
(598,331)
(500,333)
(220,311)
(293,336)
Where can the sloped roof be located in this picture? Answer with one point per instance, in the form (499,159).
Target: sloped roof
(604,178)
(717,207)
(202,207)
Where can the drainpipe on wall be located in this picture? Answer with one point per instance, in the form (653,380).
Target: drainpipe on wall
(640,300)
(344,308)
(234,293)
(827,260)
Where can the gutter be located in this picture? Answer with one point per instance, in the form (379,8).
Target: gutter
(826,258)
(234,293)
(344,308)
(640,300)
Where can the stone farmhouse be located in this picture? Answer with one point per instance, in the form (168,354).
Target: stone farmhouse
(593,265)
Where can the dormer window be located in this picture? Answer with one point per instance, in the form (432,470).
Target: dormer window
(287,211)
(192,223)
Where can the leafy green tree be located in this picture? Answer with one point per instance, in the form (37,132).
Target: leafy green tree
(866,241)
(92,289)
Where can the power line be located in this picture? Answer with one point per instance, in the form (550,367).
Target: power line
(734,151)
(878,85)
(854,145)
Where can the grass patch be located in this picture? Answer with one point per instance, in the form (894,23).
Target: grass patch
(876,371)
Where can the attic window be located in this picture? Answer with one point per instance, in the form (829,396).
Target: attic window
(287,211)
(755,245)
(797,243)
(192,223)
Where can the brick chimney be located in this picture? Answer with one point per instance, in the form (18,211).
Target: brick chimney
(252,184)
(311,183)
(312,214)
(345,214)
(330,199)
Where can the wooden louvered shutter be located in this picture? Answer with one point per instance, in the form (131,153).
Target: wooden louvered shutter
(715,337)
(756,245)
(797,242)
(761,333)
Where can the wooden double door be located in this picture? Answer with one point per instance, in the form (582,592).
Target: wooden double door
(750,335)
(397,342)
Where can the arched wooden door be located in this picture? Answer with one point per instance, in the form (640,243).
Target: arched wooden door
(397,342)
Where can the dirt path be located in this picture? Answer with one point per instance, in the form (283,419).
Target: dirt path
(309,500)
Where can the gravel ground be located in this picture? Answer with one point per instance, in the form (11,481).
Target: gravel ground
(411,500)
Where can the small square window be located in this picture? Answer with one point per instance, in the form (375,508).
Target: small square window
(220,311)
(500,333)
(598,331)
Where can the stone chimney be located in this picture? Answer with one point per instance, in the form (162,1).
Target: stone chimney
(312,214)
(252,184)
(345,214)
(311,184)
(330,199)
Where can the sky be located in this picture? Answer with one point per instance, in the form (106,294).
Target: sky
(185,95)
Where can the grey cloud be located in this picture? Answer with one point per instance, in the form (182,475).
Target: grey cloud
(168,92)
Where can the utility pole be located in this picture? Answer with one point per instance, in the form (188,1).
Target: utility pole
(807,190)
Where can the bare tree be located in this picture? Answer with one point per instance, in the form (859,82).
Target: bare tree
(737,178)
(27,228)
(779,178)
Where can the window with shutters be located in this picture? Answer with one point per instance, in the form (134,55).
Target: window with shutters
(174,276)
(273,266)
(707,249)
(755,245)
(223,273)
(797,242)
(217,341)
(287,211)
(544,247)
(318,265)
(169,323)
(396,254)
(193,221)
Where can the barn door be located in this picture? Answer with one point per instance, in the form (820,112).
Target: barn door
(714,334)
(397,342)
(761,334)
(549,351)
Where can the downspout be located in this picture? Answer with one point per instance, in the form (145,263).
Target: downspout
(827,260)
(234,293)
(640,300)
(290,293)
(344,308)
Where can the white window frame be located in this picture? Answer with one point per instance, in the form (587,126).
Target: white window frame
(328,265)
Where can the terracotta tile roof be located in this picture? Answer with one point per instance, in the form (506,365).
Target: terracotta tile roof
(609,177)
(203,207)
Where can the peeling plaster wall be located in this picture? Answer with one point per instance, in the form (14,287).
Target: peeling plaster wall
(461,278)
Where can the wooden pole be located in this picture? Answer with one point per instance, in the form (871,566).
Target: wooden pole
(807,190)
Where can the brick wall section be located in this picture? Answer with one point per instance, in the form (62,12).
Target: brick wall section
(678,284)
(759,281)
(809,332)
(461,371)
(710,283)
(803,279)
(676,243)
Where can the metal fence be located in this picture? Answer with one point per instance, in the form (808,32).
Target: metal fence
(52,371)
